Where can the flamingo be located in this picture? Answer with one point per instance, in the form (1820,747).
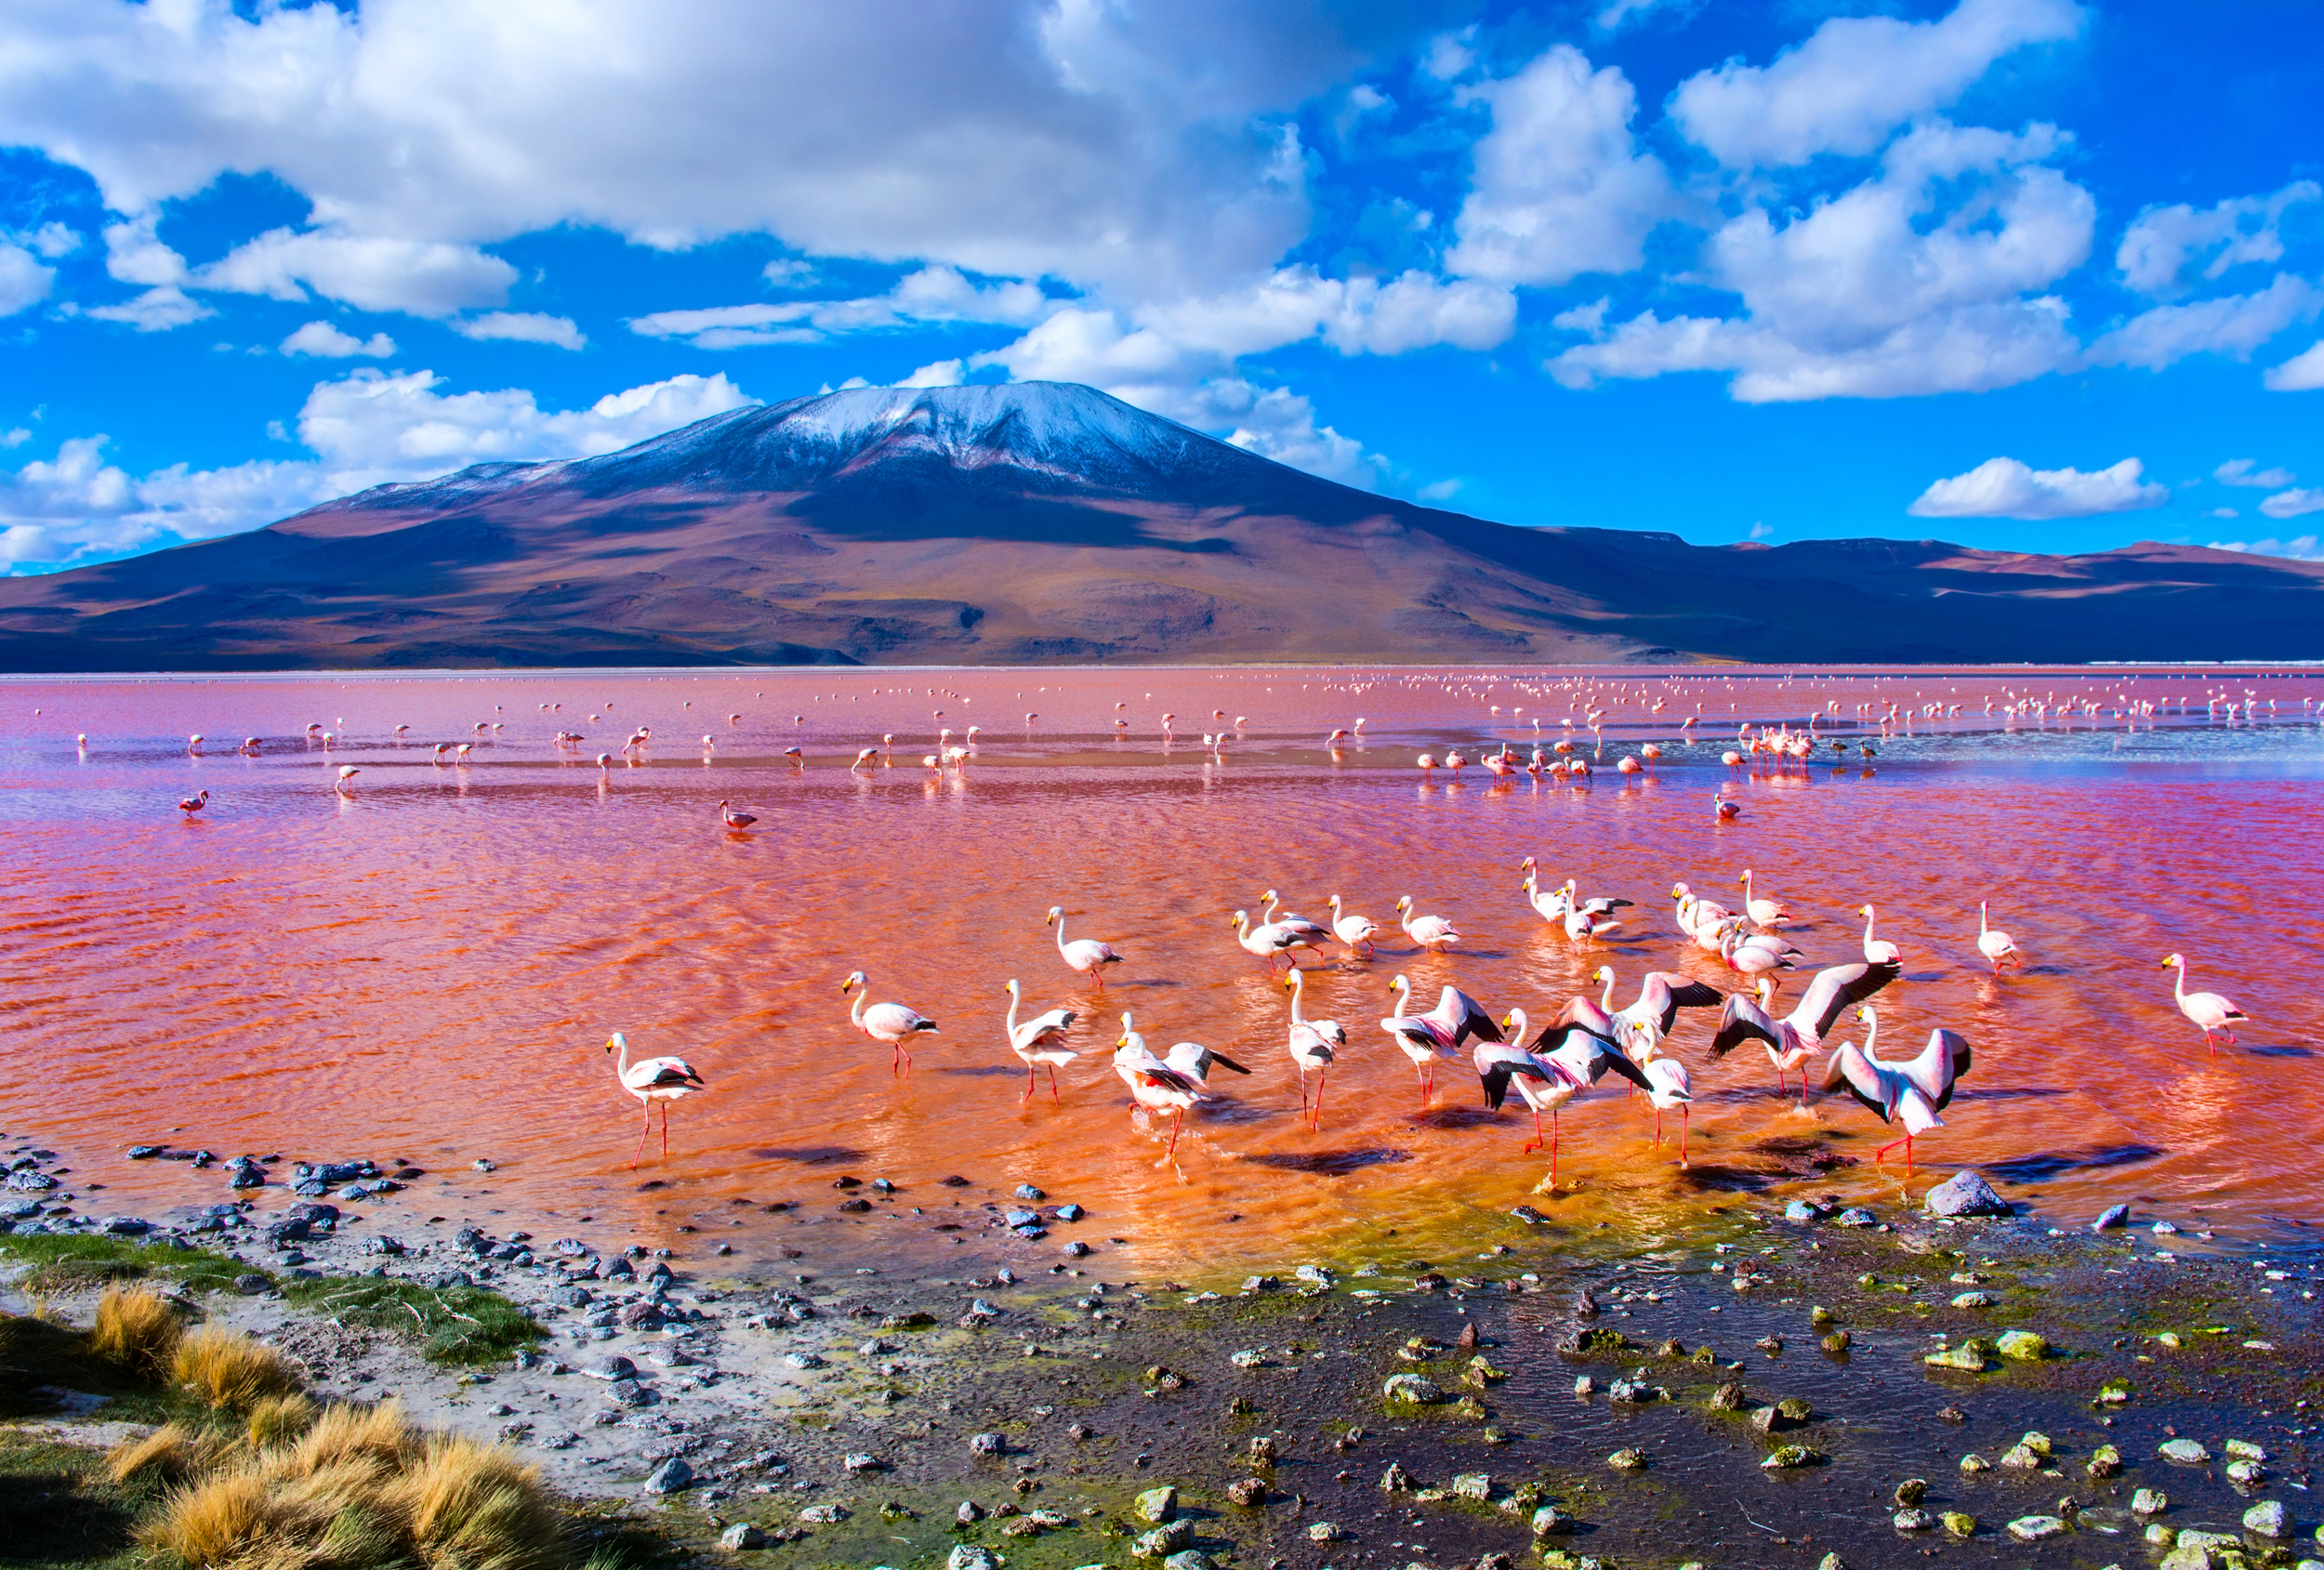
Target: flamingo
(1766,915)
(1266,941)
(1914,1091)
(1426,765)
(1550,907)
(654,1079)
(1877,952)
(1153,1084)
(1085,954)
(2208,1009)
(1195,1061)
(347,777)
(1432,932)
(1639,1030)
(1561,1064)
(734,818)
(1039,1041)
(1455,1019)
(195,803)
(1590,918)
(890,1023)
(1312,1044)
(1666,1087)
(1356,931)
(1311,932)
(1995,944)
(1727,811)
(1792,1040)
(1752,956)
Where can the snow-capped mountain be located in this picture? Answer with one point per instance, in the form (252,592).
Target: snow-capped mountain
(1043,522)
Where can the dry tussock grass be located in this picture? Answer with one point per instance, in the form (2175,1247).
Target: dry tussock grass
(137,1329)
(172,1451)
(350,1489)
(229,1372)
(278,1419)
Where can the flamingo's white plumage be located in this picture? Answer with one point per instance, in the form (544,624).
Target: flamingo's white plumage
(1356,931)
(1085,954)
(653,1079)
(1877,951)
(1040,1042)
(1432,933)
(1995,944)
(2209,1010)
(1912,1092)
(890,1023)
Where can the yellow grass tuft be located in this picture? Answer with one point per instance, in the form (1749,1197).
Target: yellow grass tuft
(174,1452)
(342,1488)
(277,1420)
(137,1329)
(212,1522)
(476,1506)
(230,1373)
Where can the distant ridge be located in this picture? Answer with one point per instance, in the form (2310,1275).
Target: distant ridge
(1038,522)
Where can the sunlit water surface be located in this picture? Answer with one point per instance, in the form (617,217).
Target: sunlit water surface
(427,967)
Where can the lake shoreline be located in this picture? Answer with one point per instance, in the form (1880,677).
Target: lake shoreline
(1053,1394)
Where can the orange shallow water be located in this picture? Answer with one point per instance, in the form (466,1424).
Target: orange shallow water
(429,966)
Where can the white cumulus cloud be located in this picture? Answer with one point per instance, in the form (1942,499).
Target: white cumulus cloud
(1129,145)
(523,327)
(2303,372)
(932,295)
(2303,547)
(2232,325)
(2162,243)
(1560,188)
(363,428)
(1921,279)
(2246,471)
(327,342)
(2294,503)
(2006,488)
(24,283)
(421,277)
(1856,80)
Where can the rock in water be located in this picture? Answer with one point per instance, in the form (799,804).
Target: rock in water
(1966,1193)
(2111,1217)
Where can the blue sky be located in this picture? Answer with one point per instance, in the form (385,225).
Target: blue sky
(2027,274)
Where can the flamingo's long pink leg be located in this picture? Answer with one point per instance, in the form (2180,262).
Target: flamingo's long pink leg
(640,1153)
(1052,1087)
(1028,1085)
(665,1129)
(1686,1126)
(1318,1121)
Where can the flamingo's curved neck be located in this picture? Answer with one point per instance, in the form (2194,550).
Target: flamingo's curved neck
(1060,925)
(1403,991)
(1871,916)
(1241,924)
(621,1062)
(855,1015)
(1982,929)
(2178,987)
(1012,1010)
(1606,999)
(1299,985)
(1871,1032)
(1268,913)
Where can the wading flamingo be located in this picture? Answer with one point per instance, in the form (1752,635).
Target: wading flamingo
(1085,954)
(1995,944)
(1876,950)
(1455,1019)
(890,1023)
(195,803)
(734,818)
(1766,915)
(1312,1044)
(2208,1009)
(1559,1066)
(1356,931)
(1153,1084)
(1432,932)
(1911,1093)
(655,1079)
(1792,1040)
(1039,1041)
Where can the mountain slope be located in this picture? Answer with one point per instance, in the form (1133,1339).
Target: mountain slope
(1038,522)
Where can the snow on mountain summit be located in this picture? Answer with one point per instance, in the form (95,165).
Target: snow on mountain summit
(1053,438)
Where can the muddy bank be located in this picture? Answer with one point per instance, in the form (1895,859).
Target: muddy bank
(1752,1390)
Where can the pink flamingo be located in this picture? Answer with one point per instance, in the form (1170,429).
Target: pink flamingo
(655,1079)
(2208,1009)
